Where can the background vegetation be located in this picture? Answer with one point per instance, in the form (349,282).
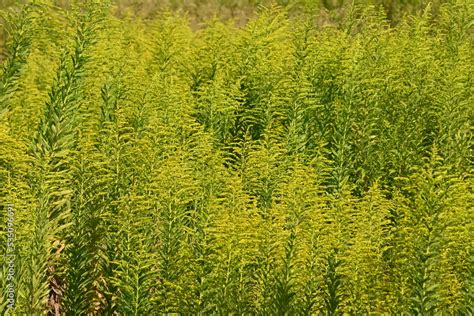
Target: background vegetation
(304,163)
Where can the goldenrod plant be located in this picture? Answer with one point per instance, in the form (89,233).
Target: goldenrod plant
(314,158)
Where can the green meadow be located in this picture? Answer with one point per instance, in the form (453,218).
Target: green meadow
(236,158)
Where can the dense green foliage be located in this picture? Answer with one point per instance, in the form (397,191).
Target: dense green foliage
(287,167)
